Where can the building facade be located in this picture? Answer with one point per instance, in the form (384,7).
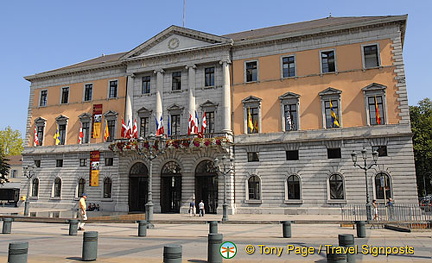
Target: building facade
(290,104)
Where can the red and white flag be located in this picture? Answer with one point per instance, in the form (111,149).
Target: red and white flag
(204,123)
(193,124)
(36,138)
(80,135)
(159,126)
(124,129)
(135,130)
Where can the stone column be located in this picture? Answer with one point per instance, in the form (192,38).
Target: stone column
(192,85)
(129,97)
(226,97)
(159,93)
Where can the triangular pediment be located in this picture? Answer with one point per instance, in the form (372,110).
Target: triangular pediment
(374,87)
(330,91)
(289,95)
(251,99)
(174,39)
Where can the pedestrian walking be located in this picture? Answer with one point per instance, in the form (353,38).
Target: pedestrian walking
(82,213)
(390,208)
(201,208)
(375,209)
(192,208)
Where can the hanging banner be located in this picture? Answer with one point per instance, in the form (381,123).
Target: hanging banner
(94,168)
(97,121)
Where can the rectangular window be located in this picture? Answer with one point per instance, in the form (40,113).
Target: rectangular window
(43,98)
(292,155)
(251,71)
(376,110)
(109,161)
(146,85)
(210,119)
(14,173)
(328,63)
(40,134)
(290,111)
(252,120)
(83,162)
(65,95)
(288,67)
(252,157)
(86,132)
(62,131)
(111,130)
(112,93)
(175,125)
(382,150)
(370,54)
(88,92)
(144,126)
(209,76)
(59,163)
(334,153)
(332,114)
(176,80)
(37,163)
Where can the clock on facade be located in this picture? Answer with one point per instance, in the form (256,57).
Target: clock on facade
(173,43)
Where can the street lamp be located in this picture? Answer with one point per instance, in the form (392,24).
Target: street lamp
(150,147)
(28,173)
(366,167)
(224,167)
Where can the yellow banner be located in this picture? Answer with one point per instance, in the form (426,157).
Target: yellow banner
(94,178)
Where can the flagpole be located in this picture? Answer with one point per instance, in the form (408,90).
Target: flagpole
(184,12)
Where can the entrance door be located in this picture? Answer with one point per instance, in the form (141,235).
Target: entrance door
(171,194)
(206,186)
(138,187)
(171,188)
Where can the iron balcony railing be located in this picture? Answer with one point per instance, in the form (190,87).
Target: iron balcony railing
(395,213)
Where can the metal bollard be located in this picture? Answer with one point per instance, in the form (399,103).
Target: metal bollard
(333,257)
(213,226)
(286,229)
(142,228)
(18,252)
(361,229)
(7,225)
(172,254)
(73,227)
(347,240)
(214,242)
(90,246)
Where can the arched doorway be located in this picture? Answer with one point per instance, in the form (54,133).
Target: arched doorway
(171,188)
(138,187)
(206,186)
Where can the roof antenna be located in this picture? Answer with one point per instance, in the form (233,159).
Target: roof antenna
(184,11)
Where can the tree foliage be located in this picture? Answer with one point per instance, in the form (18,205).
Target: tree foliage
(421,125)
(11,142)
(4,168)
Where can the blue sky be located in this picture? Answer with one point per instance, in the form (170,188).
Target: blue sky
(38,36)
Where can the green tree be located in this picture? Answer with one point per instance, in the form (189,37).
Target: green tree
(421,125)
(11,142)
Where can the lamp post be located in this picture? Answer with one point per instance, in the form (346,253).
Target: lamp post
(28,173)
(365,168)
(224,167)
(150,148)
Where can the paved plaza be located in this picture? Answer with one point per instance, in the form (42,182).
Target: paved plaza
(258,235)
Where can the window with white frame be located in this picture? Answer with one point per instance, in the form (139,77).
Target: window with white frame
(336,187)
(145,85)
(113,89)
(251,73)
(176,80)
(330,99)
(85,120)
(375,104)
(289,109)
(61,125)
(43,98)
(371,56)
(40,128)
(328,61)
(88,92)
(293,187)
(111,120)
(64,95)
(81,187)
(254,185)
(382,186)
(252,115)
(209,77)
(288,67)
(209,108)
(57,187)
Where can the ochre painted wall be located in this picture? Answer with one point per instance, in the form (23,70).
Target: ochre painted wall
(75,107)
(350,79)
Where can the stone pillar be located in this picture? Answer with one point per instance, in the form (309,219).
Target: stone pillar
(226,97)
(192,85)
(159,93)
(129,98)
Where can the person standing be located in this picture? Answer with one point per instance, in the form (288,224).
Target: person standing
(375,209)
(192,208)
(82,211)
(201,208)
